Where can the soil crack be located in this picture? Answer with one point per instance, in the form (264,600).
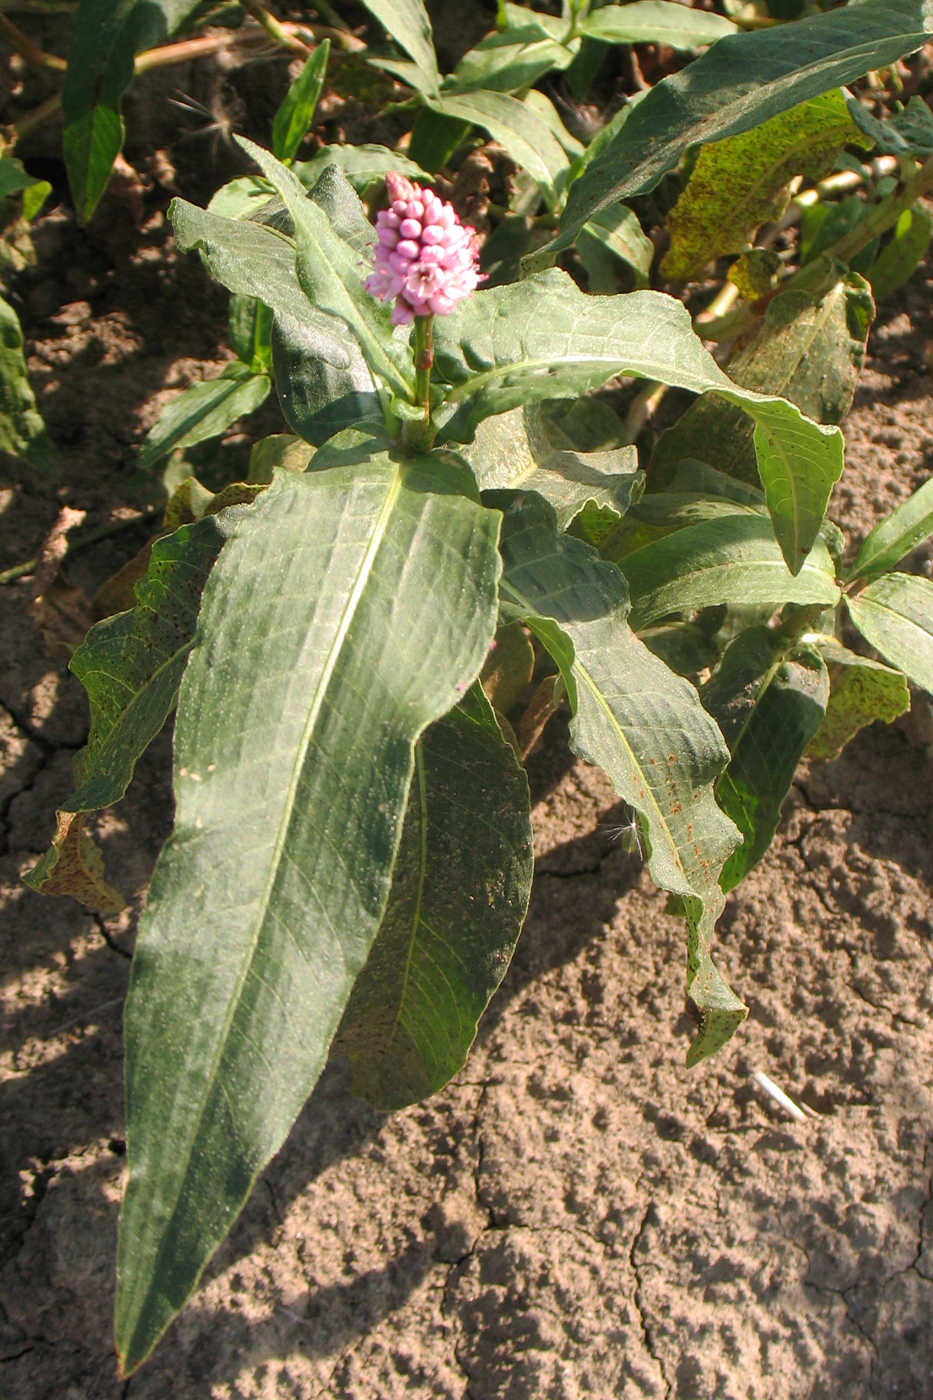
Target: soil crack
(638,1298)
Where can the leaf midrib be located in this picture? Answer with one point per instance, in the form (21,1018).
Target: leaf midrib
(419,898)
(475,383)
(883,606)
(363,573)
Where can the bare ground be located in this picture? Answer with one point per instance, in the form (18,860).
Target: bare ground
(577,1215)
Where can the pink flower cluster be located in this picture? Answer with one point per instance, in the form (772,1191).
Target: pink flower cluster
(425,259)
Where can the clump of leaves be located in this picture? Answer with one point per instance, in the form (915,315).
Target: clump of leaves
(351,857)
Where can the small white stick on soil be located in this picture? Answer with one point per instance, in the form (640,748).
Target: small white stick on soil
(769,1086)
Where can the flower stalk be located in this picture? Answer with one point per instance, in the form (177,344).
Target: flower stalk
(424,361)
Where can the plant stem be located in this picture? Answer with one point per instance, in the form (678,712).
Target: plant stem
(30,51)
(417,433)
(884,215)
(161,57)
(276,29)
(328,14)
(113,527)
(642,408)
(35,118)
(424,361)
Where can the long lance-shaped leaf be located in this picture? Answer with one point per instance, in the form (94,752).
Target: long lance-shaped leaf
(769,705)
(511,59)
(203,411)
(739,83)
(245,257)
(105,41)
(809,348)
(131,666)
(734,560)
(739,183)
(324,382)
(330,271)
(908,525)
(895,615)
(639,721)
(408,23)
(655,22)
(543,337)
(459,896)
(351,608)
(517,128)
(293,119)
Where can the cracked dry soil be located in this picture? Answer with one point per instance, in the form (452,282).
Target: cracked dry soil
(576,1215)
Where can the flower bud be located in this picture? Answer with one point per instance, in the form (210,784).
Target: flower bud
(425,259)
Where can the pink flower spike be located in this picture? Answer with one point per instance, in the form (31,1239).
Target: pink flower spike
(425,260)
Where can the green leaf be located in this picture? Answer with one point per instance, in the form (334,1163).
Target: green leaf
(91,143)
(540,105)
(617,233)
(822,225)
(22,431)
(280,450)
(331,271)
(521,132)
(324,383)
(459,895)
(908,525)
(895,615)
(639,721)
(293,119)
(656,22)
(768,706)
(683,646)
(245,257)
(512,15)
(860,692)
(15,180)
(246,197)
(361,165)
(204,411)
(739,183)
(535,447)
(104,43)
(902,254)
(130,666)
(523,448)
(407,23)
(435,139)
(810,348)
(499,348)
(905,133)
(742,81)
(608,482)
(733,560)
(13,177)
(511,59)
(351,609)
(250,325)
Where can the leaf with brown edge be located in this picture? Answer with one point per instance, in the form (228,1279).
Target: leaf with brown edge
(73,865)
